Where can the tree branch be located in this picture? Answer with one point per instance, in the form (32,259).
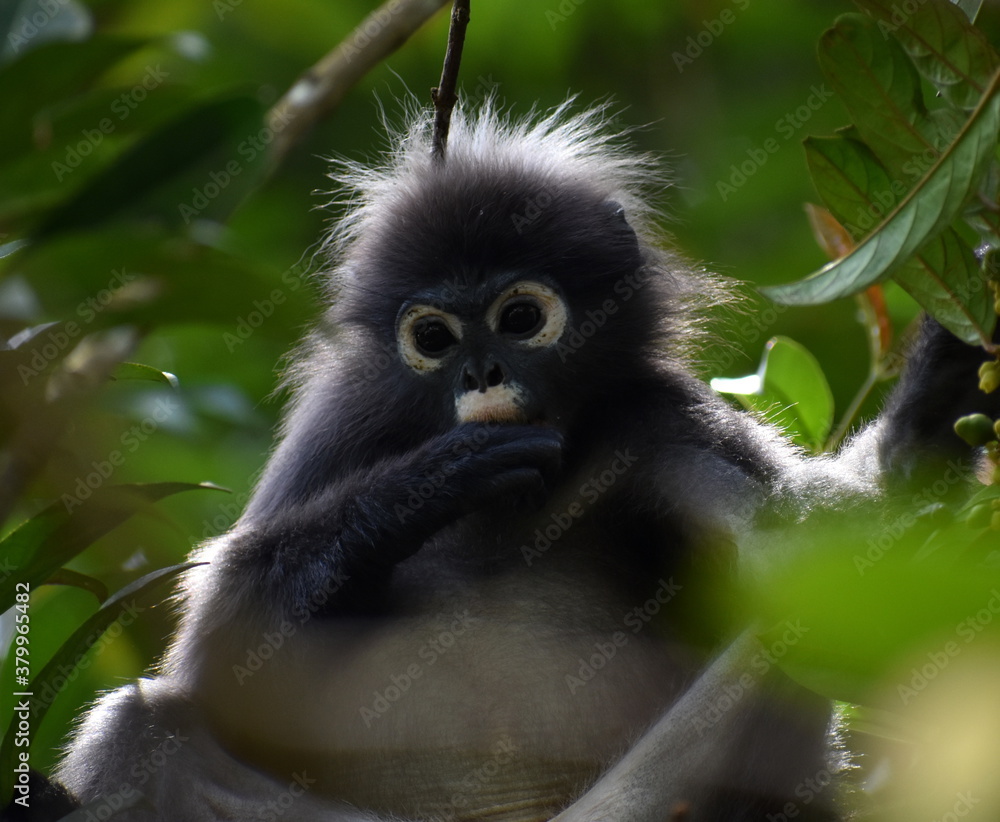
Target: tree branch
(320,89)
(444,95)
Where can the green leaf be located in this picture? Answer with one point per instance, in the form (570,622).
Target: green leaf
(945,47)
(66,576)
(892,607)
(45,686)
(943,276)
(200,165)
(924,212)
(880,88)
(138,371)
(793,377)
(47,75)
(790,390)
(150,278)
(852,183)
(40,546)
(83,137)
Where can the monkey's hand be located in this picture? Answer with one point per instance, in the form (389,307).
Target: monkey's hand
(402,502)
(357,529)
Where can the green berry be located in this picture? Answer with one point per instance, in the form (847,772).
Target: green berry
(989,376)
(975,429)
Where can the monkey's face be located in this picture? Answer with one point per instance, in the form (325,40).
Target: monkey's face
(513,302)
(491,357)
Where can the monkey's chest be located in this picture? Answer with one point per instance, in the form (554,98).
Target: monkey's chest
(498,712)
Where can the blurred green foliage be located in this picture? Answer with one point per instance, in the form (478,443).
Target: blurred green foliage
(136,215)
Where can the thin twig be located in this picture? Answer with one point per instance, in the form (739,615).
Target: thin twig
(444,96)
(322,87)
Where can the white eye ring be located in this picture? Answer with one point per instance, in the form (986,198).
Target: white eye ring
(551,304)
(406,341)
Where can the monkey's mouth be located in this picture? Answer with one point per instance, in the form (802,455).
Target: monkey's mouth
(499,404)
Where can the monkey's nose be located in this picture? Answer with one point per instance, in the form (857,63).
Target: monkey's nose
(479,379)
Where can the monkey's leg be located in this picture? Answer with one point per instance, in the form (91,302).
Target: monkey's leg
(144,755)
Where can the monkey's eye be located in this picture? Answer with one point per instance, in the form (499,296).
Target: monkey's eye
(432,336)
(530,314)
(424,336)
(520,319)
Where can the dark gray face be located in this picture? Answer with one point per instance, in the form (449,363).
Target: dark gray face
(487,354)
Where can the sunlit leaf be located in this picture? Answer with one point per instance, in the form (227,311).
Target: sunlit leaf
(925,211)
(138,371)
(970,7)
(943,276)
(863,605)
(790,390)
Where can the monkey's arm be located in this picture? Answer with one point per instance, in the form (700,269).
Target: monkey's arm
(938,385)
(662,773)
(357,529)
